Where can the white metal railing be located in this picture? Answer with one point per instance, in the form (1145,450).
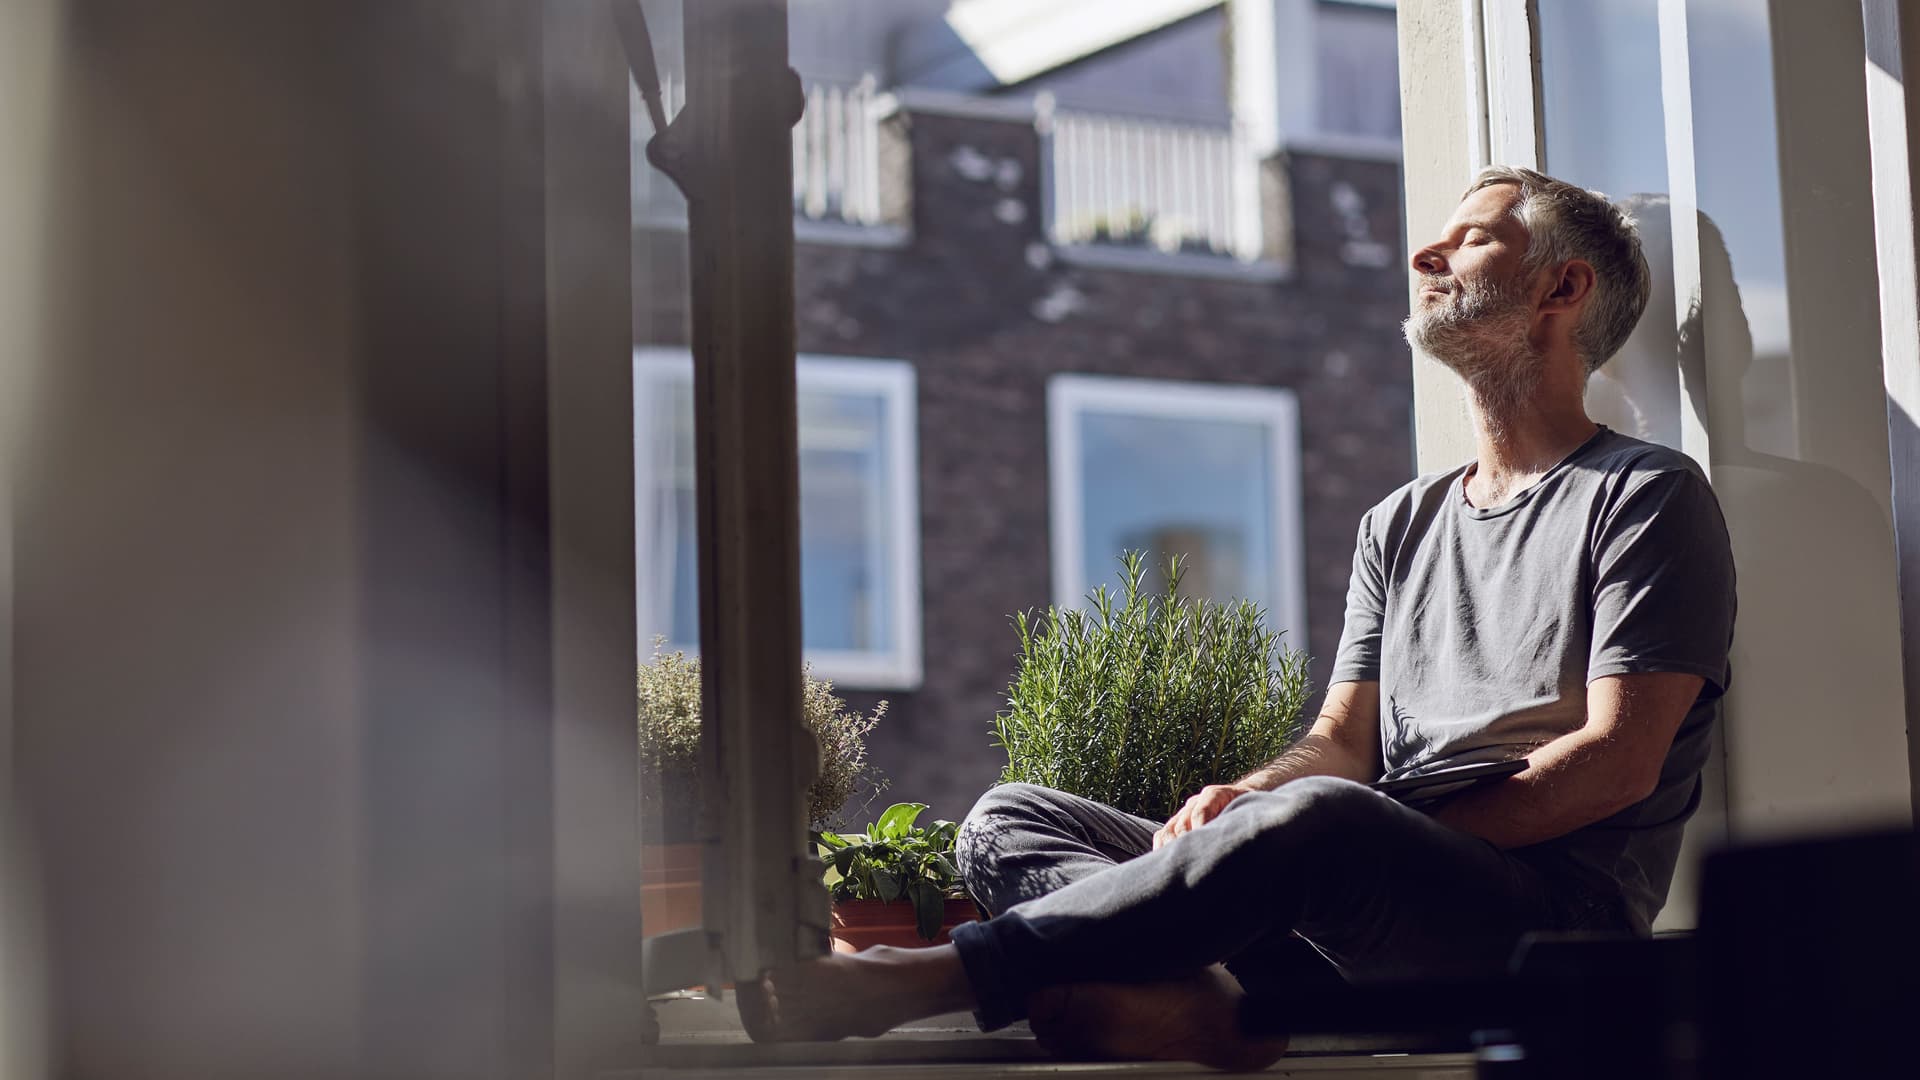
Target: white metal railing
(1154,184)
(836,157)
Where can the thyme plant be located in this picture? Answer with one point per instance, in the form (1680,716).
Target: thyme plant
(1145,699)
(669,686)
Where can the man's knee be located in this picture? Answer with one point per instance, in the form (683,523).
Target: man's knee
(996,813)
(1315,806)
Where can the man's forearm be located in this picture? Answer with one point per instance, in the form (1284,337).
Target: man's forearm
(1565,787)
(1315,755)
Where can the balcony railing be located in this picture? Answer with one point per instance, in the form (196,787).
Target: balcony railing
(836,155)
(836,158)
(1174,188)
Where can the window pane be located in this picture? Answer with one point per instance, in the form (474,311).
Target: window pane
(1202,489)
(844,556)
(851,505)
(1613,140)
(668,521)
(1616,142)
(1358,62)
(1743,248)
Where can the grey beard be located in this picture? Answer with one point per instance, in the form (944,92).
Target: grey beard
(1481,335)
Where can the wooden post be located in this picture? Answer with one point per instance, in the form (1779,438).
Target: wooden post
(731,151)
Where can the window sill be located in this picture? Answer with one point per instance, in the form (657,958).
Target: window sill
(876,673)
(699,1032)
(1179,264)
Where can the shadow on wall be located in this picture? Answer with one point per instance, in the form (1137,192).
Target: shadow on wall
(1812,534)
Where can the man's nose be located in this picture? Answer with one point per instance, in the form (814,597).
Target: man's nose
(1428,261)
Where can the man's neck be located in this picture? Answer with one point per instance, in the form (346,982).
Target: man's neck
(1519,441)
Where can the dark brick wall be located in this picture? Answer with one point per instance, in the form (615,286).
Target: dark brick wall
(986,312)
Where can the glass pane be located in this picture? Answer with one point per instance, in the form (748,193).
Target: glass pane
(1789,321)
(1202,489)
(1785,350)
(1616,143)
(940,226)
(1742,247)
(666,521)
(844,557)
(1358,63)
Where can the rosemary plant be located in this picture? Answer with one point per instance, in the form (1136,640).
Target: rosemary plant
(1146,698)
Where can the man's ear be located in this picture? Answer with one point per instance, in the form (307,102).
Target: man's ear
(1571,288)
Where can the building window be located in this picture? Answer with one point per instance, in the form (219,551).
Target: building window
(859,514)
(1358,69)
(1209,472)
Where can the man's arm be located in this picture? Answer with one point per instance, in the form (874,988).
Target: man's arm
(1610,763)
(1345,741)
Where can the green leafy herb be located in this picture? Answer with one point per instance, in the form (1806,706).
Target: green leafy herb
(1146,699)
(893,860)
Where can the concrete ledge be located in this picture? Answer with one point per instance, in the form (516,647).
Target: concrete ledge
(913,99)
(1178,264)
(1353,147)
(808,231)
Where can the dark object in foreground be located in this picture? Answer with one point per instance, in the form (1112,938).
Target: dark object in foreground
(1807,963)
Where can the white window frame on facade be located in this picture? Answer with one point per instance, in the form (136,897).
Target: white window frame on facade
(1071,396)
(897,668)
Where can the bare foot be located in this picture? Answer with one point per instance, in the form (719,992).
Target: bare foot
(863,994)
(1194,1019)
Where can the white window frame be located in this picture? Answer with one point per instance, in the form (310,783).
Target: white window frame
(1071,396)
(900,667)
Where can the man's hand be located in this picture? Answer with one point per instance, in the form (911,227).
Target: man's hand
(1199,810)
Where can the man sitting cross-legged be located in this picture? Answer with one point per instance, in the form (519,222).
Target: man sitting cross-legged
(1566,598)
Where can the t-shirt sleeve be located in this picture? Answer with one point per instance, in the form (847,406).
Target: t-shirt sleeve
(1358,659)
(1663,586)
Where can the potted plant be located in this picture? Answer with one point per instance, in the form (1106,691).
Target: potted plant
(896,883)
(1145,699)
(669,718)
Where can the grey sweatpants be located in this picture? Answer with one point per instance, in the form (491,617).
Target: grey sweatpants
(1378,889)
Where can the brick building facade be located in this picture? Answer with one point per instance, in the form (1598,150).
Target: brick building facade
(986,309)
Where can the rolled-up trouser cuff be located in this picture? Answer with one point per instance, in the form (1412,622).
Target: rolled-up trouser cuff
(1000,1000)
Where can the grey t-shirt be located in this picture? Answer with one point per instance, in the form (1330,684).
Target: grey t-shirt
(1484,626)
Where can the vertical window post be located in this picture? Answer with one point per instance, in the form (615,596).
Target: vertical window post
(731,152)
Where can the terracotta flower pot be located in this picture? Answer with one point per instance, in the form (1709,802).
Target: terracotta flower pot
(860,924)
(669,887)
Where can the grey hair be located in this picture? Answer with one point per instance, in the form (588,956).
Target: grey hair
(1564,222)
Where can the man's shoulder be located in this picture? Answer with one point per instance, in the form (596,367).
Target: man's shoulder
(1415,499)
(1417,490)
(1623,467)
(1631,459)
